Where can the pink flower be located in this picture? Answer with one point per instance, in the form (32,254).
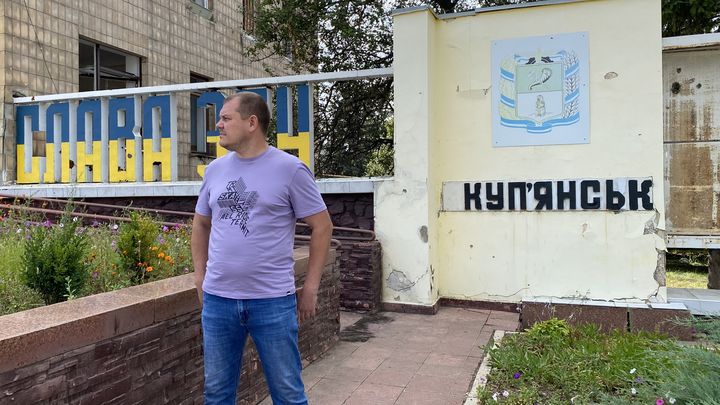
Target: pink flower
(659,401)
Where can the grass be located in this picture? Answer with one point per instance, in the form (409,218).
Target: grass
(553,363)
(169,255)
(686,279)
(687,268)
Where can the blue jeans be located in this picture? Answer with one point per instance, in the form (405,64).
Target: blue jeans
(272,323)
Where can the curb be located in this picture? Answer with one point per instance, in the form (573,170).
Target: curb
(483,370)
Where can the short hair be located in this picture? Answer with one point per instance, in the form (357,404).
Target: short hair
(252,104)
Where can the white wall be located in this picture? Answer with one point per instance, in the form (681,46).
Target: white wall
(504,256)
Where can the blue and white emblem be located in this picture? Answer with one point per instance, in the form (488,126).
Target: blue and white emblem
(541,91)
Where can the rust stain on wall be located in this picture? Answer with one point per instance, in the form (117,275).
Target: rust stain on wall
(691,91)
(690,165)
(691,209)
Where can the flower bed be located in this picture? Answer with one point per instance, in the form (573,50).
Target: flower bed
(553,363)
(45,262)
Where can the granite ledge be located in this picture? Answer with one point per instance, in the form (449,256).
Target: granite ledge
(40,333)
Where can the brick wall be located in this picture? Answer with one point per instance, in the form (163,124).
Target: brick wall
(157,363)
(173,38)
(360,276)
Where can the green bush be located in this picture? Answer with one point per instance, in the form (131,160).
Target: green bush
(135,240)
(53,260)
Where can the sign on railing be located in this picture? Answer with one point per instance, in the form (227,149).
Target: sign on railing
(131,135)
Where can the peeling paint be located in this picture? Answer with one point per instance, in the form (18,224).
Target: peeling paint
(659,274)
(424,234)
(398,281)
(651,226)
(610,75)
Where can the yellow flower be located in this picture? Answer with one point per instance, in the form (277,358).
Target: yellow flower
(168,258)
(149,269)
(161,255)
(154,248)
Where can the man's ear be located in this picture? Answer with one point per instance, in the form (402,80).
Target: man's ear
(254,122)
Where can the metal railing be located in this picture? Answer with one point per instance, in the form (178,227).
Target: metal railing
(131,135)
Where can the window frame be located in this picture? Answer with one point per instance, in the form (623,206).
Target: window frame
(97,74)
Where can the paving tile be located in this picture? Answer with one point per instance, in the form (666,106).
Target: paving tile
(331,391)
(397,377)
(377,394)
(371,349)
(348,373)
(434,383)
(409,397)
(444,359)
(348,318)
(405,355)
(311,375)
(368,362)
(457,347)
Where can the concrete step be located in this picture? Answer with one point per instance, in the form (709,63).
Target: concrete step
(698,301)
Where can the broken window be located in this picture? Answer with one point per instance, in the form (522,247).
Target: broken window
(104,68)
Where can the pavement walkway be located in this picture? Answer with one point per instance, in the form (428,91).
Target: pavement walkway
(403,359)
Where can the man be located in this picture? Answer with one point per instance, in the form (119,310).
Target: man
(242,243)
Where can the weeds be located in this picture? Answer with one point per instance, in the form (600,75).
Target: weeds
(553,363)
(53,259)
(79,260)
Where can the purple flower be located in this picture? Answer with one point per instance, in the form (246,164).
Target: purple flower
(95,274)
(47,223)
(161,240)
(638,380)
(165,228)
(95,223)
(517,375)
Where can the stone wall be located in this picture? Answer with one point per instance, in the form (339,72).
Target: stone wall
(360,276)
(351,210)
(346,210)
(141,345)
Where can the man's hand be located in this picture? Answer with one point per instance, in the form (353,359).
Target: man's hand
(307,299)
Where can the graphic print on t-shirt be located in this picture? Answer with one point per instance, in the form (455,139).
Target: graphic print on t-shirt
(236,203)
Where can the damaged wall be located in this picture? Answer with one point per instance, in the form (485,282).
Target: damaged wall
(505,256)
(692,131)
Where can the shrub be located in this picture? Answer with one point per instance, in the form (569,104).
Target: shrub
(53,259)
(135,240)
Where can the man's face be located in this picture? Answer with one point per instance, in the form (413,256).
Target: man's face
(235,131)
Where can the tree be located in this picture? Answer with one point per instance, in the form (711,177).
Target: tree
(335,35)
(688,17)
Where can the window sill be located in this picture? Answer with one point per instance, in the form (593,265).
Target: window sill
(200,10)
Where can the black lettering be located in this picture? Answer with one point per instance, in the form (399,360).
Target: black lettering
(586,204)
(495,202)
(520,188)
(611,196)
(543,195)
(563,195)
(472,196)
(643,193)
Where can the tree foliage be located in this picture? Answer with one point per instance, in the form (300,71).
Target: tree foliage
(688,17)
(336,35)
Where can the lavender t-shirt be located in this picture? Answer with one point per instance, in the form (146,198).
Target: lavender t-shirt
(254,204)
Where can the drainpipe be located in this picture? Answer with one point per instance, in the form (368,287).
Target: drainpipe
(3,128)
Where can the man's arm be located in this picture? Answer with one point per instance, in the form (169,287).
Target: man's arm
(199,247)
(319,245)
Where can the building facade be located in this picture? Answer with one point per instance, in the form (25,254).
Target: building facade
(66,46)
